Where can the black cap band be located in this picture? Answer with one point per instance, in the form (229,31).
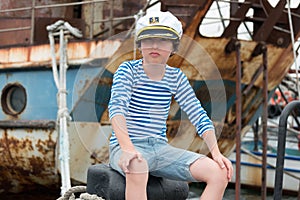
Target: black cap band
(157,32)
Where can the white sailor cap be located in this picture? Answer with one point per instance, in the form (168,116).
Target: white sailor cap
(158,24)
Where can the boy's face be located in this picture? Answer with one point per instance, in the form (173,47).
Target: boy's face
(156,50)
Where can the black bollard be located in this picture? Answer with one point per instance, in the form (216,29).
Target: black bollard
(110,185)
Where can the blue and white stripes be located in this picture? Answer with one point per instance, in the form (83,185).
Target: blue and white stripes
(145,103)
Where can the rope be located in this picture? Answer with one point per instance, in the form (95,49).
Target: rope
(60,28)
(60,24)
(87,196)
(70,194)
(53,59)
(293,45)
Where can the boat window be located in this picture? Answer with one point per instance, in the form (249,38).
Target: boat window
(13,99)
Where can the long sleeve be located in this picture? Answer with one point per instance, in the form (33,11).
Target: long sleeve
(120,92)
(188,102)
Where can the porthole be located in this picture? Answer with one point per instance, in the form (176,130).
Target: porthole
(13,99)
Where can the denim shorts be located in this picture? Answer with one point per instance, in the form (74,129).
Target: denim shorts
(163,159)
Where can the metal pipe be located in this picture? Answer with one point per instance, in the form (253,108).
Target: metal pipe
(92,6)
(281,147)
(221,16)
(254,78)
(111,16)
(235,45)
(70,4)
(15,29)
(52,6)
(15,9)
(238,120)
(256,139)
(264,123)
(114,19)
(32,22)
(286,101)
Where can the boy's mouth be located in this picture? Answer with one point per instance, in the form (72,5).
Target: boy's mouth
(154,54)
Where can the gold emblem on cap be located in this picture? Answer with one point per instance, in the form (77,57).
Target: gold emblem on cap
(153,20)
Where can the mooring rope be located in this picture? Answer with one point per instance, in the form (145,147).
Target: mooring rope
(70,194)
(62,29)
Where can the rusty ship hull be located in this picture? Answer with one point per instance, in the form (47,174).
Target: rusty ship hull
(29,152)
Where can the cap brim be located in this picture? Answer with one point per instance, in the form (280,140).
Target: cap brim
(157,32)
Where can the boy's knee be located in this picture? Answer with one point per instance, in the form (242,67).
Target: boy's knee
(138,166)
(220,177)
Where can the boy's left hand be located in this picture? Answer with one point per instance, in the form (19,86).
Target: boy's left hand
(224,162)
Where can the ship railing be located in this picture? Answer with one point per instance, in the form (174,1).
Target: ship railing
(34,7)
(110,19)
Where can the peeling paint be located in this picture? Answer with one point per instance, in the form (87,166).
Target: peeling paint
(39,55)
(27,157)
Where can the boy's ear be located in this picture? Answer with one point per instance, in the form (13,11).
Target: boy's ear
(138,44)
(175,46)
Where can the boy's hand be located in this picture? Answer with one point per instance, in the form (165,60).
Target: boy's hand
(126,157)
(224,162)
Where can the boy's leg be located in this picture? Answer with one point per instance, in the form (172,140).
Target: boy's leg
(136,180)
(207,170)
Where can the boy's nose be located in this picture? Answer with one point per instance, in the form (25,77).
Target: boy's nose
(155,44)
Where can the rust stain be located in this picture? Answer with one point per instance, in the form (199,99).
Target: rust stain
(4,144)
(100,156)
(26,161)
(37,55)
(46,146)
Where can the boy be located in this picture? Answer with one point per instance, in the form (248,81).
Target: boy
(140,101)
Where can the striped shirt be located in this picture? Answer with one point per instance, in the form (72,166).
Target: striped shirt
(145,103)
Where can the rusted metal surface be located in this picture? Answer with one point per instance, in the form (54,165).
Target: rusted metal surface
(39,55)
(47,12)
(38,124)
(264,31)
(93,17)
(28,150)
(28,153)
(184,9)
(27,158)
(15,12)
(20,36)
(231,30)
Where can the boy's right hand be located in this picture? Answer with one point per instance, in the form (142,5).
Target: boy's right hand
(126,157)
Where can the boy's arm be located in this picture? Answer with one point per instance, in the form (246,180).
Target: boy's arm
(186,98)
(119,126)
(211,141)
(128,151)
